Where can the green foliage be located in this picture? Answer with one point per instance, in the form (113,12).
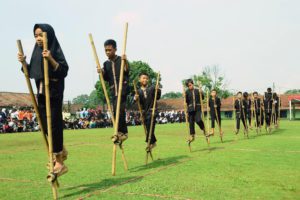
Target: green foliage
(81,99)
(211,78)
(89,101)
(136,67)
(294,91)
(172,95)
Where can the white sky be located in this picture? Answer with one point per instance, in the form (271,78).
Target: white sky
(255,42)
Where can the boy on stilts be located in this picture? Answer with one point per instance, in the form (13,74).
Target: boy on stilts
(258,110)
(247,103)
(194,110)
(268,104)
(215,112)
(240,113)
(276,109)
(146,98)
(111,73)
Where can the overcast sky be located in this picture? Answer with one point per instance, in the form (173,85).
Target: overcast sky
(255,42)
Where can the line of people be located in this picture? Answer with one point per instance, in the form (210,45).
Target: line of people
(250,109)
(260,110)
(113,75)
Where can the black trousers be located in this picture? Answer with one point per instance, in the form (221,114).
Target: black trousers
(122,118)
(276,114)
(239,117)
(259,118)
(147,119)
(57,121)
(249,117)
(214,118)
(195,116)
(268,115)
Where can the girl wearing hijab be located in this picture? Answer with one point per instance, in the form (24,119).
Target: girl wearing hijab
(58,69)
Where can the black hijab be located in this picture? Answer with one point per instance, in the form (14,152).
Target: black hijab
(36,70)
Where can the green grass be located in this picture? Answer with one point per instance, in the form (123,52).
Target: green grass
(261,167)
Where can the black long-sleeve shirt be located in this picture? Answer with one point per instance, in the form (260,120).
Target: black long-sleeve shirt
(193,99)
(111,74)
(146,98)
(213,103)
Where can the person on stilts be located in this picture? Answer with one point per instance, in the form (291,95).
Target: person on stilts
(111,73)
(194,110)
(145,96)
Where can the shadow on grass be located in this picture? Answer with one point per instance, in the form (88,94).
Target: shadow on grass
(158,163)
(209,149)
(105,184)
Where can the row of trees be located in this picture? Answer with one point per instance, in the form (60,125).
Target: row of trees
(210,78)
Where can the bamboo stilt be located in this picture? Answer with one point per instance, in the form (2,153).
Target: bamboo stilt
(152,117)
(279,111)
(234,114)
(119,101)
(218,121)
(186,115)
(207,110)
(32,96)
(48,114)
(245,119)
(101,77)
(140,109)
(33,100)
(202,113)
(254,112)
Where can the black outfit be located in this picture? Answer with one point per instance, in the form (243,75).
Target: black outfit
(268,101)
(215,105)
(146,98)
(111,70)
(276,108)
(258,112)
(56,84)
(247,106)
(194,109)
(240,113)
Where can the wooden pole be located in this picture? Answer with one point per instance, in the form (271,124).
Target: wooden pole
(218,122)
(233,113)
(152,117)
(105,92)
(32,96)
(48,114)
(264,113)
(260,115)
(140,109)
(254,111)
(245,120)
(279,110)
(186,114)
(101,77)
(207,110)
(201,104)
(119,101)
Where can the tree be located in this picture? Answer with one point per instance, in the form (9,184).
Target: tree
(81,99)
(211,78)
(293,91)
(94,100)
(136,67)
(172,95)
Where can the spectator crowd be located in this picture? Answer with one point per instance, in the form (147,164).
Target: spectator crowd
(24,119)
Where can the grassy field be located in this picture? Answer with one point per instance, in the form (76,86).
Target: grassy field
(261,167)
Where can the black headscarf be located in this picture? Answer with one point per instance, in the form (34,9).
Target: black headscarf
(36,70)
